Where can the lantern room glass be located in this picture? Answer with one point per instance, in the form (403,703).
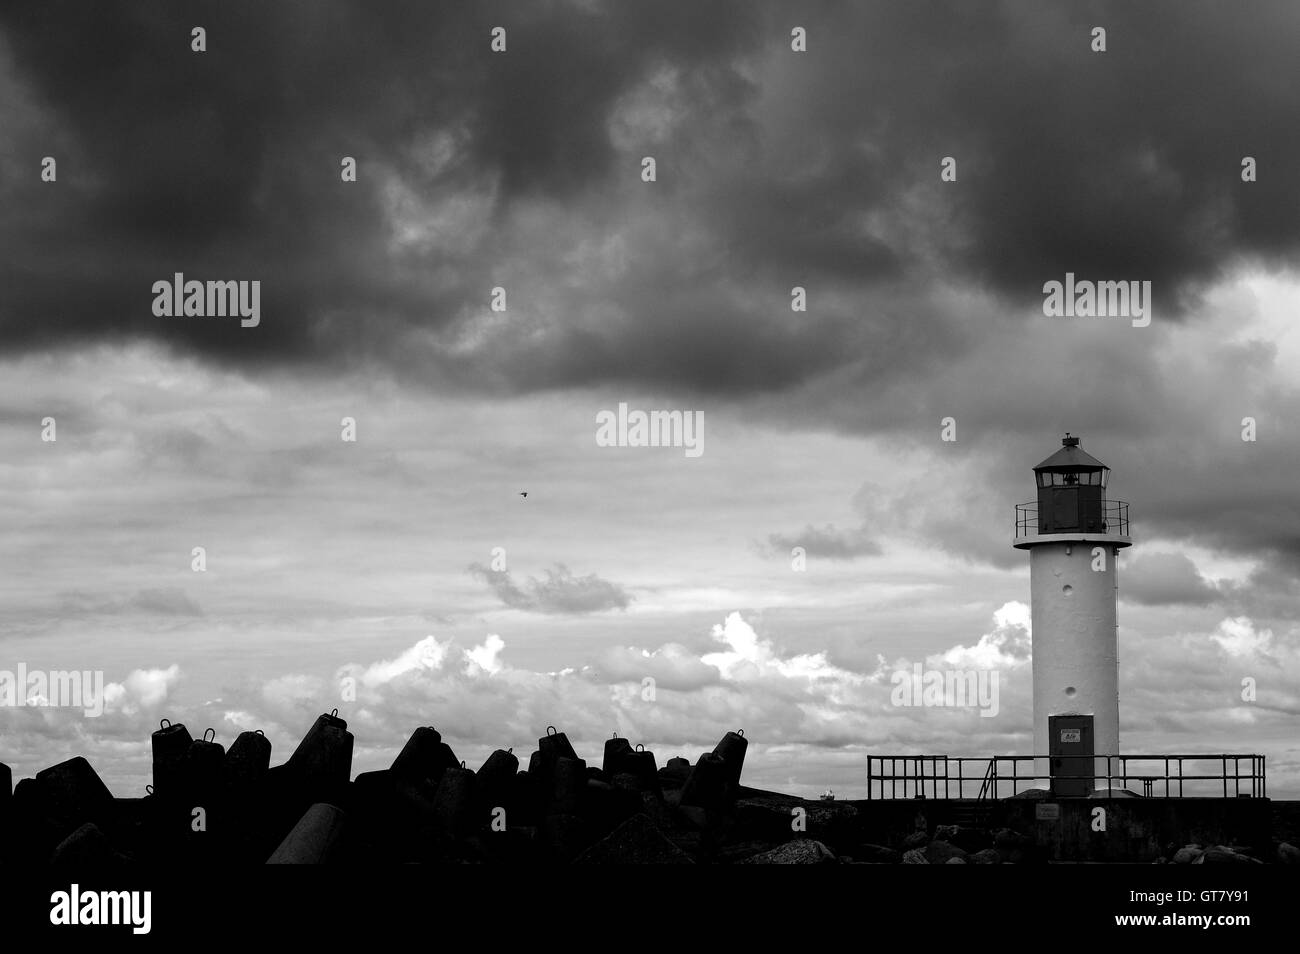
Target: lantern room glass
(1095,478)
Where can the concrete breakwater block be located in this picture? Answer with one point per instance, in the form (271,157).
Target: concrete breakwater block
(552,747)
(392,819)
(640,763)
(616,750)
(73,792)
(523,802)
(708,784)
(171,744)
(247,760)
(568,783)
(44,810)
(315,840)
(424,757)
(323,760)
(202,768)
(675,772)
(731,749)
(494,780)
(453,802)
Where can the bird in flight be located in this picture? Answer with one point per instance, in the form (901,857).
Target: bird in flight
(523,493)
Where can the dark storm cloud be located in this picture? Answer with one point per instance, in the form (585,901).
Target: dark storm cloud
(1121,164)
(560,592)
(783,168)
(225,164)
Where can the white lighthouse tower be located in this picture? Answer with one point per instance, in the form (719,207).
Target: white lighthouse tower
(1074,535)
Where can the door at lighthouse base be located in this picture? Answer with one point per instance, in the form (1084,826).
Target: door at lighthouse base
(1070,747)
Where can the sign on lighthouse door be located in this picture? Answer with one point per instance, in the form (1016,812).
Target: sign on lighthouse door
(1070,747)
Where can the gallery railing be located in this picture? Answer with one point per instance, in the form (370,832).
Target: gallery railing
(1114,518)
(1165,776)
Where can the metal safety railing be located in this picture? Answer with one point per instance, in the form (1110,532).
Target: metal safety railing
(1114,518)
(1165,776)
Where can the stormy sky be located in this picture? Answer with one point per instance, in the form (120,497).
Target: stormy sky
(522,170)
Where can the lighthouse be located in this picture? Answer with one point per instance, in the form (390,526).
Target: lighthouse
(1074,535)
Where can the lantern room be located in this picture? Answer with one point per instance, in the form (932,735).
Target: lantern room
(1071,487)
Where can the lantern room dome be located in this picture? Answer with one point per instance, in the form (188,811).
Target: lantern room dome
(1071,465)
